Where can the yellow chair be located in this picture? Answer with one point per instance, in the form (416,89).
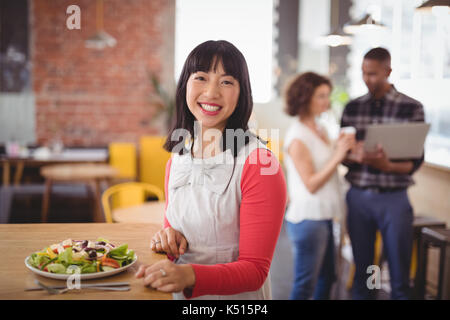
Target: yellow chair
(128,194)
(152,160)
(414,257)
(276,148)
(122,156)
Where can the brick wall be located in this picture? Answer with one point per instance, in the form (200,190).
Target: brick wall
(88,97)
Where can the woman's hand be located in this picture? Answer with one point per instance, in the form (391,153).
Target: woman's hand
(357,153)
(345,142)
(170,241)
(167,276)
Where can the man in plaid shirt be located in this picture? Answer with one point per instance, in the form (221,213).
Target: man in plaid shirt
(377,199)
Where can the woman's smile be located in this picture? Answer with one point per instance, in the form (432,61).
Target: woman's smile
(210,109)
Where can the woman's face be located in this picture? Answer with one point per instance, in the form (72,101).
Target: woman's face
(212,97)
(320,100)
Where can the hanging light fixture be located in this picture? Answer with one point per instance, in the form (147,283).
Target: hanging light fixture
(337,37)
(101,39)
(366,23)
(435,6)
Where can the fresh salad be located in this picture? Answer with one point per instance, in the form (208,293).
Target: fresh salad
(82,256)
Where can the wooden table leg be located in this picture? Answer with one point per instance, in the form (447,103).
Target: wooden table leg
(98,211)
(19,172)
(109,182)
(6,173)
(46,200)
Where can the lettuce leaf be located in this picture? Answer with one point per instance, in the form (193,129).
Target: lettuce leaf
(56,268)
(119,252)
(89,268)
(73,269)
(126,259)
(130,255)
(32,259)
(36,260)
(65,257)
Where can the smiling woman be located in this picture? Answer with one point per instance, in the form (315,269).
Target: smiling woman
(224,209)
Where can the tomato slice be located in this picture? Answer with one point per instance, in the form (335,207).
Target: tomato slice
(110,263)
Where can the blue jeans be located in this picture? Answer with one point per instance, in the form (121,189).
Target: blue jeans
(314,267)
(392,214)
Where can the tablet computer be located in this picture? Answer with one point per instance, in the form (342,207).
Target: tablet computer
(399,140)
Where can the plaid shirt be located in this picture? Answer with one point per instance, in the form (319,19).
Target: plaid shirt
(366,110)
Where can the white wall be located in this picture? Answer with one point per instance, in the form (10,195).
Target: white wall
(314,21)
(271,116)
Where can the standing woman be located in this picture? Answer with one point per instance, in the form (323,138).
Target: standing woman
(226,192)
(313,185)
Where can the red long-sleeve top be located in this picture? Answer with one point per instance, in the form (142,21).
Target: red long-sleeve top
(261,215)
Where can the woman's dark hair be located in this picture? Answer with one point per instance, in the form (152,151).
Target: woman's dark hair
(206,57)
(300,91)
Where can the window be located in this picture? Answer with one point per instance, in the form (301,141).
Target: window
(14,64)
(247,24)
(420,47)
(17,113)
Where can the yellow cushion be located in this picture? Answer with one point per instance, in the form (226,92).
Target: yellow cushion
(152,160)
(122,156)
(276,148)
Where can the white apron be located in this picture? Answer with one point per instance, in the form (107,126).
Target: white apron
(204,203)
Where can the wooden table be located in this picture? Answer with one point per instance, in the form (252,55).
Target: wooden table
(92,174)
(17,241)
(70,155)
(148,212)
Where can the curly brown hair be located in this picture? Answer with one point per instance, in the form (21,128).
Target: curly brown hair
(300,91)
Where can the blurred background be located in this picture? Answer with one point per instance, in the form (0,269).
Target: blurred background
(67,84)
(83,80)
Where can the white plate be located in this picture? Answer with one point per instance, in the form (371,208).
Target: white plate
(83,276)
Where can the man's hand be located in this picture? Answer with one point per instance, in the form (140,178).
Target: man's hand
(377,159)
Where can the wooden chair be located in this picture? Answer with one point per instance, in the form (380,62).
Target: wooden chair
(439,238)
(128,194)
